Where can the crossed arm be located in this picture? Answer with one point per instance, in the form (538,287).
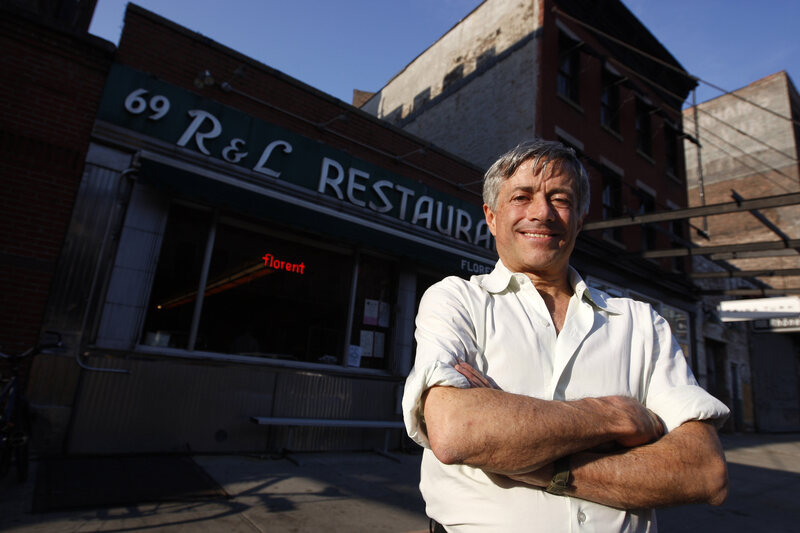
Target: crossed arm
(520,436)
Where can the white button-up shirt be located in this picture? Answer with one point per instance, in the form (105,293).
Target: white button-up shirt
(499,324)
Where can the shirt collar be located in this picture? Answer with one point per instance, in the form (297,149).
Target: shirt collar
(501,278)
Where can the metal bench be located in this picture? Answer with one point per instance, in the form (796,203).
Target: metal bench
(293,423)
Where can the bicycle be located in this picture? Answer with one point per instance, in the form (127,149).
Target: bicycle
(15,424)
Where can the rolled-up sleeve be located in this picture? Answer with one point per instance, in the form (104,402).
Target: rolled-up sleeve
(445,335)
(674,394)
(420,380)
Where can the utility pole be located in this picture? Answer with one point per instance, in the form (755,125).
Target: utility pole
(700,183)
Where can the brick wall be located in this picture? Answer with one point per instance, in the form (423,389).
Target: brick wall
(52,82)
(753,152)
(582,120)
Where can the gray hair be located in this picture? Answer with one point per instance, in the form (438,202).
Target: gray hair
(544,154)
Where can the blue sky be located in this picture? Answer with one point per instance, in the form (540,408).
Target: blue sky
(338,45)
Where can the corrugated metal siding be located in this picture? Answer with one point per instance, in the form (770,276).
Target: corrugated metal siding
(98,210)
(96,207)
(168,404)
(304,394)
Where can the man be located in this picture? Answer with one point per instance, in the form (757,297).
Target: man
(545,405)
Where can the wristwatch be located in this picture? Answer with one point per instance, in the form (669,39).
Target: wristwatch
(560,482)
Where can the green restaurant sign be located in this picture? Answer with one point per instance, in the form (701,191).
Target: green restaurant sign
(152,107)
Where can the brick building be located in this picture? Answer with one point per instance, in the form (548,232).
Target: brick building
(749,149)
(53,78)
(555,69)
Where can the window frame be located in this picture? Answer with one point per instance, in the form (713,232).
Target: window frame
(644,127)
(352,253)
(610,100)
(569,67)
(611,179)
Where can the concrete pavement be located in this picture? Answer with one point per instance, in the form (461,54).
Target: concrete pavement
(335,492)
(764,473)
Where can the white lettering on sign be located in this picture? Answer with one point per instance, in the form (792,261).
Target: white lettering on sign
(325,178)
(193,130)
(136,104)
(378,188)
(463,225)
(353,185)
(232,153)
(287,149)
(475,268)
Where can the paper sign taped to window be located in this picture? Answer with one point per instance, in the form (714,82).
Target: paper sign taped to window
(366,343)
(354,355)
(371,310)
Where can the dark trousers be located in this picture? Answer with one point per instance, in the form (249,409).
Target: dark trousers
(435,527)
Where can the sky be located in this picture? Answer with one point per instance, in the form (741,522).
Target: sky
(340,45)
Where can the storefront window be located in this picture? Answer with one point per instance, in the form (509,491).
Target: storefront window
(274,297)
(679,323)
(177,277)
(269,295)
(373,313)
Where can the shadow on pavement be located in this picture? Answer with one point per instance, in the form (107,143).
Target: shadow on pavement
(760,499)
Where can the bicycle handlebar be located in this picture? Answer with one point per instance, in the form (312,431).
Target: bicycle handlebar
(39,347)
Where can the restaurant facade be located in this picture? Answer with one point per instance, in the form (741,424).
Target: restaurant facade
(242,245)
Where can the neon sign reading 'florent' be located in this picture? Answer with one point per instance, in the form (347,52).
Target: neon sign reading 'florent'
(277,264)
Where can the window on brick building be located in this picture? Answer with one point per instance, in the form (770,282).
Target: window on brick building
(671,149)
(612,202)
(644,130)
(647,204)
(609,101)
(568,66)
(677,240)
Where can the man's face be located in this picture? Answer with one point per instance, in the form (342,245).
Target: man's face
(536,221)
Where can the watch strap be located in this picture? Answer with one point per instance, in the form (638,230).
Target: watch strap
(560,482)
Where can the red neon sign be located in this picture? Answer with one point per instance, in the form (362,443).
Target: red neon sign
(277,264)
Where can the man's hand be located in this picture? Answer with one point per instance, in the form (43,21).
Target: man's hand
(537,478)
(475,378)
(647,427)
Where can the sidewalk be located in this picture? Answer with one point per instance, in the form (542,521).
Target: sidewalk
(764,472)
(330,492)
(334,492)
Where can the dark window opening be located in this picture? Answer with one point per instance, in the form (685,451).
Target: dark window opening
(647,204)
(568,67)
(612,202)
(671,149)
(644,135)
(610,101)
(676,229)
(272,297)
(177,278)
